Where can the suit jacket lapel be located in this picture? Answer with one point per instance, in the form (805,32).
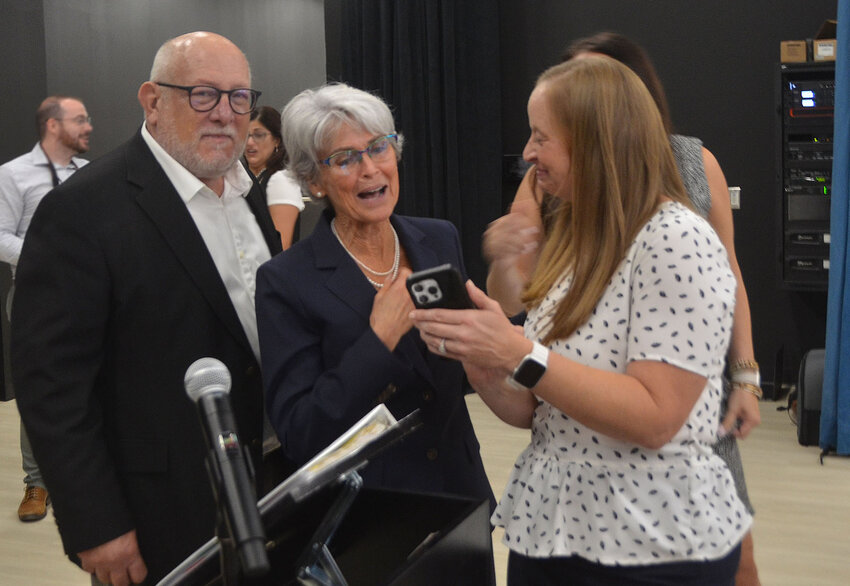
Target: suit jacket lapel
(160,201)
(346,281)
(421,257)
(344,278)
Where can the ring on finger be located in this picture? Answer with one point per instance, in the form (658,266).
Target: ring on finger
(442,347)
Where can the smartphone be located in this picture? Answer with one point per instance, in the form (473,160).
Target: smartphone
(440,286)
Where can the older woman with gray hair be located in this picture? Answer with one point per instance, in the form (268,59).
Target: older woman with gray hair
(333,311)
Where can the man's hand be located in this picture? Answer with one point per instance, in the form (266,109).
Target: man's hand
(116,562)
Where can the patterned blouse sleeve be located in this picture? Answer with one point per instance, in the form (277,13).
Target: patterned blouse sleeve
(682,294)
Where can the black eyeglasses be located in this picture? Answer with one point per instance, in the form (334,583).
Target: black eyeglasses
(204,98)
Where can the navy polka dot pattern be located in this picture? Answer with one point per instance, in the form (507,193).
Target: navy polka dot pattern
(574,491)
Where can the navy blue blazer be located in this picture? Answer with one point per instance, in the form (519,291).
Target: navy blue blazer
(324,367)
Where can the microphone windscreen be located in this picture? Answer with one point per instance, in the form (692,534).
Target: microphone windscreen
(206,375)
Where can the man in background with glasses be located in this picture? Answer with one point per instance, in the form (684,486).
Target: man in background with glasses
(64,128)
(142,264)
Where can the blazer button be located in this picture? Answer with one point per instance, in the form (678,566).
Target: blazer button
(386,393)
(432,454)
(251,370)
(256,443)
(428,395)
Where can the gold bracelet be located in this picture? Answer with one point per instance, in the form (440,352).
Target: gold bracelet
(751,389)
(744,364)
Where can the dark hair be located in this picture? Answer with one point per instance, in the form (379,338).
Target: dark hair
(50,108)
(270,119)
(631,55)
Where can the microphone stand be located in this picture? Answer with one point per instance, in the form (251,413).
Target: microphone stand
(231,569)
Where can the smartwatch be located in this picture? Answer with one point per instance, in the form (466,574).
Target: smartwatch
(530,369)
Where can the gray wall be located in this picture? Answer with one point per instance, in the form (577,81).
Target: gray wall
(101,51)
(22,71)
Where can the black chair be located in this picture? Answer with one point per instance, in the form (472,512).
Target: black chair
(809,392)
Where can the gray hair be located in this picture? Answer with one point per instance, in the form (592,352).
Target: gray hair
(163,61)
(311,119)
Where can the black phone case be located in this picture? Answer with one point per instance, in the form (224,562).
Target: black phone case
(440,286)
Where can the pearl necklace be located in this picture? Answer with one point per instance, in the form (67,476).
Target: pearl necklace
(392,270)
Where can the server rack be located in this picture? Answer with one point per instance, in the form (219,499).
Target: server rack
(807,100)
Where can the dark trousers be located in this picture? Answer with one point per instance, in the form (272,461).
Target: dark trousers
(575,571)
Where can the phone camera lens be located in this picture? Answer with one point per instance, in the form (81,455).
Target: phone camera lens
(417,288)
(423,299)
(433,290)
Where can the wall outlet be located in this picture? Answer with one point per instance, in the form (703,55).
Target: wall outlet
(735,198)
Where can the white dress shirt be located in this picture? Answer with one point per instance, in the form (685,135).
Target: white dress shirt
(24,181)
(228,227)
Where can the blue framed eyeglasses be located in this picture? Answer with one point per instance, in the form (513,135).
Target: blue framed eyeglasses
(203,98)
(378,150)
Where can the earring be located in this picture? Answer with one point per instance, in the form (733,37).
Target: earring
(319,194)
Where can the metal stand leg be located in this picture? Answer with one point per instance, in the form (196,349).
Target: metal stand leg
(317,566)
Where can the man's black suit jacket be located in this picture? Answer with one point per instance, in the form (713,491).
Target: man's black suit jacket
(116,296)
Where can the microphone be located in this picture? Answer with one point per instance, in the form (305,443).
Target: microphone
(207,383)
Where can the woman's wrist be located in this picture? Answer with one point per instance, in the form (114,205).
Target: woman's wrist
(530,367)
(744,374)
(753,390)
(521,350)
(743,364)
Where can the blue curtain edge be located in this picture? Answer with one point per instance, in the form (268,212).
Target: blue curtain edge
(835,402)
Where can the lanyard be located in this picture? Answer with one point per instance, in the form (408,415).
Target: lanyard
(50,166)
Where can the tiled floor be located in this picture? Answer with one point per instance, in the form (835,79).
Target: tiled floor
(802,529)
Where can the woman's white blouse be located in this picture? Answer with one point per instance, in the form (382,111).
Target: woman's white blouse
(574,491)
(282,188)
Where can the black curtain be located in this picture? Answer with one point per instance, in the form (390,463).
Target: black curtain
(436,63)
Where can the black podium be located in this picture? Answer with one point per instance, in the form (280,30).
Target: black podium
(386,538)
(365,536)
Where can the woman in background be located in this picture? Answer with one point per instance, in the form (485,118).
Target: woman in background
(511,245)
(618,371)
(266,158)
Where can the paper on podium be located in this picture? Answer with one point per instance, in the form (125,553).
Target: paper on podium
(375,423)
(375,431)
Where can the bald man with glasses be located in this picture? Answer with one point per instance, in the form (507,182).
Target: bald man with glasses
(131,272)
(64,127)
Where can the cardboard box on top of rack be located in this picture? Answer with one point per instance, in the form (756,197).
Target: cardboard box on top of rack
(823,45)
(822,48)
(793,52)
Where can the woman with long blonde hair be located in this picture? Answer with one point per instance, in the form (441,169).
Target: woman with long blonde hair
(618,368)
